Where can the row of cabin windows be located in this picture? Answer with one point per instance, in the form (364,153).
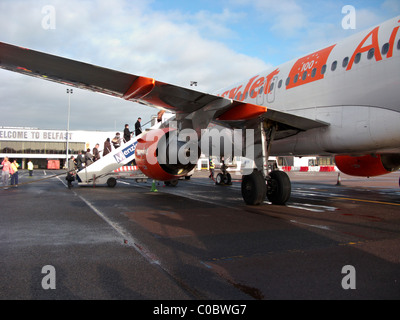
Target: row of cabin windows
(357,59)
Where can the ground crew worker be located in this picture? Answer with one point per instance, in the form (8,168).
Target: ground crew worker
(30,168)
(212,168)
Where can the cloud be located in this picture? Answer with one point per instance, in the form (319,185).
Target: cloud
(168,46)
(287,17)
(215,46)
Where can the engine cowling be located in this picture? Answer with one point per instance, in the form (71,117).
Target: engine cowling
(368,165)
(159,155)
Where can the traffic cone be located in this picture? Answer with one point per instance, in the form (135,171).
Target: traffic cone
(153,187)
(338,183)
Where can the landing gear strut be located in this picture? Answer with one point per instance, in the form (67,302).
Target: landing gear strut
(274,185)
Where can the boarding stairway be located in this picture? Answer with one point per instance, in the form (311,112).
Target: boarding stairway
(105,170)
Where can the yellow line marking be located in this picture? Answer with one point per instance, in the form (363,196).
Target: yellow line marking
(370,201)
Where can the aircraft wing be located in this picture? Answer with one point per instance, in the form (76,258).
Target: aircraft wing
(139,89)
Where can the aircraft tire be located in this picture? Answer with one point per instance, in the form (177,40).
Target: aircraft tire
(111,182)
(254,188)
(219,179)
(172,183)
(279,187)
(227,179)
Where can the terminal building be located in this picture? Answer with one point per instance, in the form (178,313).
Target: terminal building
(47,148)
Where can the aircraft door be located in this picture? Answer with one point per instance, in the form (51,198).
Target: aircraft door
(271,90)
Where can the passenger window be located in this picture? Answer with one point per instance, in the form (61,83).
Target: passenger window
(287,81)
(271,87)
(334,64)
(371,53)
(280,83)
(296,77)
(385,48)
(357,58)
(345,62)
(313,72)
(398,45)
(304,76)
(323,69)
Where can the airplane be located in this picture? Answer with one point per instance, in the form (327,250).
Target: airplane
(342,101)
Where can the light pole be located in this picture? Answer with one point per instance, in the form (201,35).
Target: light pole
(69,92)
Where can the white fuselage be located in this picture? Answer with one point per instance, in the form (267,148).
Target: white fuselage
(359,99)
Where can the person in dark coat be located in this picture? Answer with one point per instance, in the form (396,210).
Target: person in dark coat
(107,147)
(138,127)
(80,160)
(127,133)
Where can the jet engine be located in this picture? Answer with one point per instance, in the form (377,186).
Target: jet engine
(368,165)
(161,156)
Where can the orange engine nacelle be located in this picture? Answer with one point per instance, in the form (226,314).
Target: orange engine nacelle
(368,165)
(160,157)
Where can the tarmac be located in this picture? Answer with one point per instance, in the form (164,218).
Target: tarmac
(200,241)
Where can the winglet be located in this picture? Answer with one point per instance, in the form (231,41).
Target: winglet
(243,111)
(139,88)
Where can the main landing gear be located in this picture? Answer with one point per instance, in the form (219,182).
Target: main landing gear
(260,184)
(276,187)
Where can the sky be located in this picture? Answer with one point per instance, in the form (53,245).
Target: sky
(213,42)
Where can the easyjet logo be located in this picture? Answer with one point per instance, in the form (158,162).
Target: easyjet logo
(256,85)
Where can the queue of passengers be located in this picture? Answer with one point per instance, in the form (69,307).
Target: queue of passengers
(86,158)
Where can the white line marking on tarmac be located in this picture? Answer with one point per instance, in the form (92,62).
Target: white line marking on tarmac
(311,225)
(128,239)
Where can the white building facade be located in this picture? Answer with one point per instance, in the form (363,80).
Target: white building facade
(42,146)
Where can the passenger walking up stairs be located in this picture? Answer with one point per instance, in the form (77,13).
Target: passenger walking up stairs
(101,170)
